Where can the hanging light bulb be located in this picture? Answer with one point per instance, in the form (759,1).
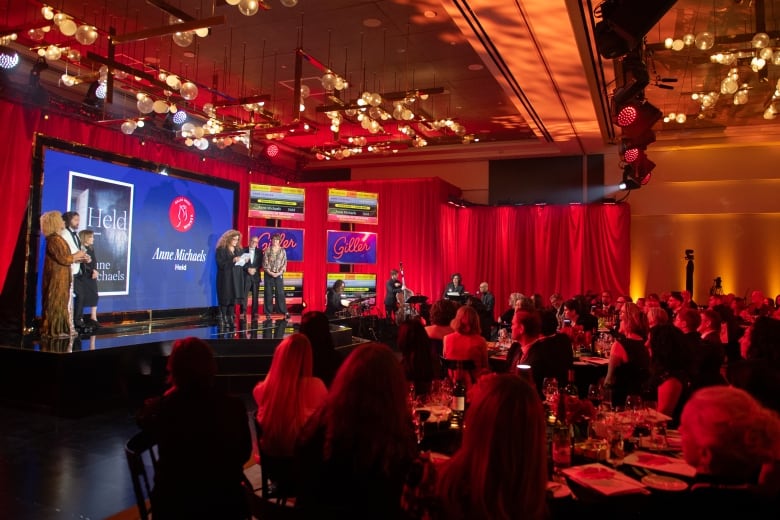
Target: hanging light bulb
(704,41)
(68,27)
(249,7)
(188,90)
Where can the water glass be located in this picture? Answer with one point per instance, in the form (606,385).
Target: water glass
(616,450)
(658,437)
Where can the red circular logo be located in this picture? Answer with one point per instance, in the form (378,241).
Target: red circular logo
(181,213)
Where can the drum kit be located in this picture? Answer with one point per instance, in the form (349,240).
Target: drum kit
(356,307)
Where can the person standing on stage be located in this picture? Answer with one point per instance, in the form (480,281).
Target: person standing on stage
(70,234)
(57,278)
(392,287)
(488,300)
(230,278)
(454,288)
(333,299)
(89,277)
(274,266)
(252,273)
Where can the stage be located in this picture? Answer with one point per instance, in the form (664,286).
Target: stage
(124,363)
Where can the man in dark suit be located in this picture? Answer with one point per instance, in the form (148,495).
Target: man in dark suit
(488,300)
(252,273)
(710,354)
(392,288)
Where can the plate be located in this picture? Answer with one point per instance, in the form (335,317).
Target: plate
(664,483)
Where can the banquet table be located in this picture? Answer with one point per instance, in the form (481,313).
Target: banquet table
(588,370)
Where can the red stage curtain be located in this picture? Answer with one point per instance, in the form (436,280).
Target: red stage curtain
(568,249)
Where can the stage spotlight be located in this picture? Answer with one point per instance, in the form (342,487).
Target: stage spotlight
(624,24)
(629,180)
(630,148)
(637,173)
(9,58)
(272,150)
(637,118)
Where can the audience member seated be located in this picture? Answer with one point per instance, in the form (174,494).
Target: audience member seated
(288,396)
(442,314)
(325,359)
(556,348)
(203,438)
(499,472)
(708,355)
(759,372)
(356,450)
(732,441)
(577,325)
(629,361)
(505,321)
(669,377)
(466,343)
(656,316)
(420,361)
(730,332)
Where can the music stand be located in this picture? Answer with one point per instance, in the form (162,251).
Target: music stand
(416,301)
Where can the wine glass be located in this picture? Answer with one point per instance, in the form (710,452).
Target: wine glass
(634,403)
(595,395)
(550,389)
(418,419)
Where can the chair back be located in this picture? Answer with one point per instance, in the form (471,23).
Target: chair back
(276,472)
(141,452)
(463,370)
(259,507)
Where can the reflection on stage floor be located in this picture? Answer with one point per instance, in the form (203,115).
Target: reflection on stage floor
(111,336)
(126,363)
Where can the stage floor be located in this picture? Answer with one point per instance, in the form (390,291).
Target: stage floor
(127,335)
(126,363)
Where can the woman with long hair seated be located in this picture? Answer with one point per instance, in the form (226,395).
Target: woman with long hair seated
(629,360)
(466,343)
(500,470)
(420,362)
(203,438)
(356,449)
(288,396)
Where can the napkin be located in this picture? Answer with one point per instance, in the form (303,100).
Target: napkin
(604,480)
(660,463)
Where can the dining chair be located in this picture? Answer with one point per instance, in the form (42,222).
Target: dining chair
(262,509)
(142,456)
(460,370)
(276,473)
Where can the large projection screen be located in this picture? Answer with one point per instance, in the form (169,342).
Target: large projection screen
(156,228)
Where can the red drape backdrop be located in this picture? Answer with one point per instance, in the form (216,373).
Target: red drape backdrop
(568,249)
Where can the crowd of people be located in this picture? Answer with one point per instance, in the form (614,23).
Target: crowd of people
(345,427)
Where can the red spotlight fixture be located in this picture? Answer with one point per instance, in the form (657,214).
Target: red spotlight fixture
(631,155)
(637,118)
(272,150)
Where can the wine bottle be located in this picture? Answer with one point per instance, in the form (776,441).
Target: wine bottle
(458,404)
